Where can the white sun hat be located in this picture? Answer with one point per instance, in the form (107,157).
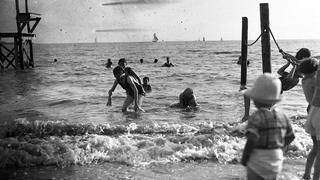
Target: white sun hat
(266,89)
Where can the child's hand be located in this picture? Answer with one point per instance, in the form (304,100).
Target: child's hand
(245,118)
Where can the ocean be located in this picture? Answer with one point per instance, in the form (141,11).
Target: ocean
(54,122)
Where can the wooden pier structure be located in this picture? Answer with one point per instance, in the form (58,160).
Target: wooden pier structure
(19,52)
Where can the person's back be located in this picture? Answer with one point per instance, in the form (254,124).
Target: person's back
(308,68)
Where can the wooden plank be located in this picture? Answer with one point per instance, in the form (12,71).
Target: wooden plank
(23,17)
(12,35)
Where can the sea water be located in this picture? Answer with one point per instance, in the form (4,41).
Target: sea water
(54,117)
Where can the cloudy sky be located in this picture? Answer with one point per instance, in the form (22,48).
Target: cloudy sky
(66,21)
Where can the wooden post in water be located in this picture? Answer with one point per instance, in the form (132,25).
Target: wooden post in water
(1,58)
(244,53)
(265,37)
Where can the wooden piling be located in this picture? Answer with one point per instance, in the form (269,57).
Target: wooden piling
(1,57)
(31,62)
(244,53)
(265,37)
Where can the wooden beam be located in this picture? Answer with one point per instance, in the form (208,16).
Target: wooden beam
(26,5)
(1,58)
(12,35)
(244,52)
(31,62)
(17,7)
(20,56)
(265,37)
(35,24)
(16,52)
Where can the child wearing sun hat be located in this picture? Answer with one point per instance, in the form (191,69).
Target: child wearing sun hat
(268,130)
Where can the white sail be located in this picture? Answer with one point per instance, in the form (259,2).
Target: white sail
(155,38)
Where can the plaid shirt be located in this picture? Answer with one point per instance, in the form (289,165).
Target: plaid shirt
(270,127)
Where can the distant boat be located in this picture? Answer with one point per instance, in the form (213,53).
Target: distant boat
(155,38)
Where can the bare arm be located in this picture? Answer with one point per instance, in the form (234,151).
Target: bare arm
(250,145)
(115,83)
(283,68)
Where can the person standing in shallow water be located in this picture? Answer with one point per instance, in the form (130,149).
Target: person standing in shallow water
(122,63)
(268,131)
(168,63)
(134,90)
(312,125)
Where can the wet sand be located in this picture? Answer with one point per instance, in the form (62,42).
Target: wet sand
(293,170)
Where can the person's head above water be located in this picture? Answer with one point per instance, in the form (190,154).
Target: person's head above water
(146,80)
(188,92)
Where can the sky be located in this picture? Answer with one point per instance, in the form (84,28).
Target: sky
(77,21)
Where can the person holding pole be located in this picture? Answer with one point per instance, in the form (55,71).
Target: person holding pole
(291,79)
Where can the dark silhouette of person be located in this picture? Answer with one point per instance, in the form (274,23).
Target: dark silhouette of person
(109,63)
(168,63)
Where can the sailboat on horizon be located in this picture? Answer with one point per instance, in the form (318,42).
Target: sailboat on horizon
(155,38)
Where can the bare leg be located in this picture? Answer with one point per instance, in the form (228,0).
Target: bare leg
(127,103)
(316,169)
(310,159)
(251,175)
(246,109)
